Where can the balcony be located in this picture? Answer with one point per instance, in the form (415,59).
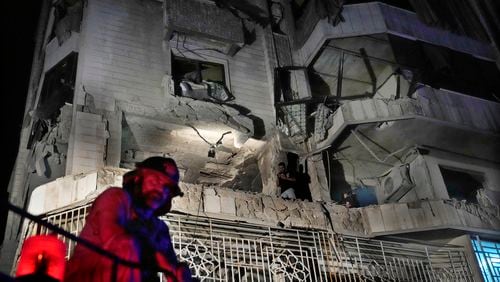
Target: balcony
(436,118)
(373,18)
(230,205)
(224,250)
(416,216)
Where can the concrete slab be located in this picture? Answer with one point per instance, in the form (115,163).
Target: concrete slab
(228,205)
(212,204)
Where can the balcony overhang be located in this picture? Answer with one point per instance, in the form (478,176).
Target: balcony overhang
(374,18)
(74,191)
(419,216)
(436,118)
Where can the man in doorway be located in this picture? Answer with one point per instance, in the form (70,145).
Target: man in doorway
(349,200)
(286,181)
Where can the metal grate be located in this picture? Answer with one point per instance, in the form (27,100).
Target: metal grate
(488,256)
(71,220)
(223,250)
(293,120)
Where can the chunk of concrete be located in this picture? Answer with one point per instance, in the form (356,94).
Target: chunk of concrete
(228,205)
(212,204)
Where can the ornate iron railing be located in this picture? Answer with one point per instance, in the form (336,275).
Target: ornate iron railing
(223,250)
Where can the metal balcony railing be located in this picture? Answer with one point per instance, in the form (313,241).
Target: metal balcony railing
(223,250)
(38,226)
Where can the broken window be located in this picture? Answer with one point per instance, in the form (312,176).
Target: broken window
(67,19)
(57,90)
(462,185)
(199,80)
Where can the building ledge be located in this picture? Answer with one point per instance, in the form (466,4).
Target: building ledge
(372,18)
(423,215)
(75,191)
(438,108)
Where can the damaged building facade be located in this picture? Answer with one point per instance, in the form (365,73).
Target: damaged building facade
(396,112)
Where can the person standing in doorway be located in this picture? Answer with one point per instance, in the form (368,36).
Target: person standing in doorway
(286,181)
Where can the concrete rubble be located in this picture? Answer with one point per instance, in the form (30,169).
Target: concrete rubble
(223,203)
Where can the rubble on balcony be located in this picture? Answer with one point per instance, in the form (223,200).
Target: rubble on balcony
(222,203)
(347,220)
(191,109)
(488,214)
(250,207)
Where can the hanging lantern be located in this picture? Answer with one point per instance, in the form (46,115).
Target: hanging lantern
(42,255)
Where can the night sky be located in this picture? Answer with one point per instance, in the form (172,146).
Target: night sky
(19,21)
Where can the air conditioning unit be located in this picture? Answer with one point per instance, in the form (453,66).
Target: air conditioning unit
(397,183)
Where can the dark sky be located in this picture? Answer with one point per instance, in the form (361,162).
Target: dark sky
(19,21)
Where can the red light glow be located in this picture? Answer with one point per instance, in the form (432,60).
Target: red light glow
(42,254)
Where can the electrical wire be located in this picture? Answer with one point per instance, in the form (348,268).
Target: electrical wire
(199,134)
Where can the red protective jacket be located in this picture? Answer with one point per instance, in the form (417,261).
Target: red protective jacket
(111,225)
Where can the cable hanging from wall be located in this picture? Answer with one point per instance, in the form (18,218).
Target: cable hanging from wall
(213,146)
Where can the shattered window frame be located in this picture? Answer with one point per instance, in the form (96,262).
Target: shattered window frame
(51,82)
(177,76)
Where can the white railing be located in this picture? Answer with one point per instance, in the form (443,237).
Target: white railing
(223,250)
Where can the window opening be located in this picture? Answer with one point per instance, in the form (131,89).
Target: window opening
(462,185)
(57,90)
(199,80)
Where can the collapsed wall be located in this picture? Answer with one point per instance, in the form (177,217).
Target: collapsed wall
(223,203)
